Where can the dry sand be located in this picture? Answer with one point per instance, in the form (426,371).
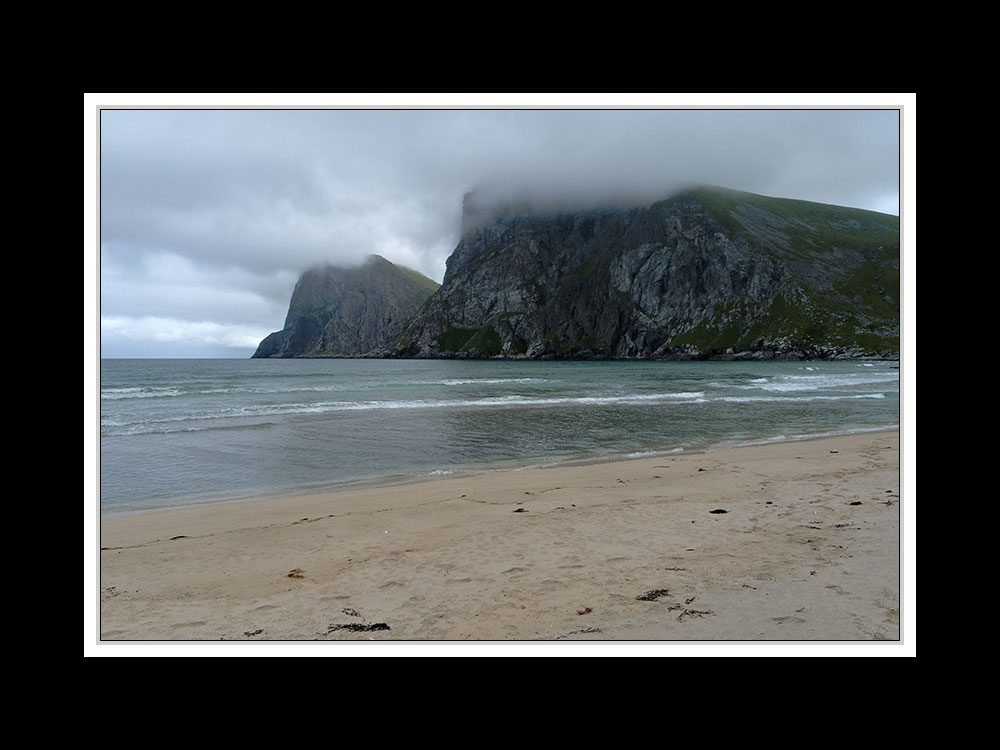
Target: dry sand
(808,549)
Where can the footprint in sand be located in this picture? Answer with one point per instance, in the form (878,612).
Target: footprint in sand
(787,618)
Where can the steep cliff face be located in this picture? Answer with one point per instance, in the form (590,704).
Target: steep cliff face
(708,273)
(338,311)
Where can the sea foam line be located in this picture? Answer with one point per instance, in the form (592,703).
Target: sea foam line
(794,399)
(802,437)
(115,394)
(487,381)
(788,383)
(184,422)
(188,422)
(512,400)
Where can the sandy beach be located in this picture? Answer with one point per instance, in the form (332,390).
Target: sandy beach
(787,542)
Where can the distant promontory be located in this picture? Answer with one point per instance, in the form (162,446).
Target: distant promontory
(348,311)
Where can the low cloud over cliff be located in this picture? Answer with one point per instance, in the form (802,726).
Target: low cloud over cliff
(208,216)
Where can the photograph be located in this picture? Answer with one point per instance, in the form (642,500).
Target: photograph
(499,374)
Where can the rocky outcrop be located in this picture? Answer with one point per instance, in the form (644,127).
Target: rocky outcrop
(708,273)
(348,311)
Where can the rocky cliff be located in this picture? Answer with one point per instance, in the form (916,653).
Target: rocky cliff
(348,311)
(707,273)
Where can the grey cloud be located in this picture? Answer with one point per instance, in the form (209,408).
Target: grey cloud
(241,201)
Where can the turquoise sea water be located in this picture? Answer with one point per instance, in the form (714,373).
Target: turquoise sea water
(181,432)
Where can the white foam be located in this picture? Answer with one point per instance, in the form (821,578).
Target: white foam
(785,399)
(789,383)
(114,394)
(488,381)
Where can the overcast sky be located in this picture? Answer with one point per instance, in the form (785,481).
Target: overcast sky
(208,216)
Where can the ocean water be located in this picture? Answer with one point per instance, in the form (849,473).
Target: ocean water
(190,431)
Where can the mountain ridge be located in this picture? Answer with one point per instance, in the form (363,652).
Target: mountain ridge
(708,273)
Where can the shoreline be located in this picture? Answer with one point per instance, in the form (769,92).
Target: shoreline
(393,480)
(808,549)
